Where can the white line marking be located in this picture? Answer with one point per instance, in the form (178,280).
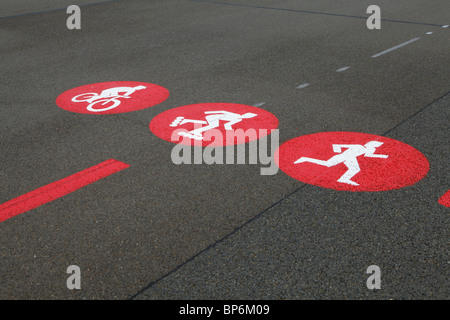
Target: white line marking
(259,104)
(396,47)
(429,32)
(446,26)
(342,69)
(303,86)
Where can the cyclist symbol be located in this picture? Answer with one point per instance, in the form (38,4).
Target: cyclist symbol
(109,98)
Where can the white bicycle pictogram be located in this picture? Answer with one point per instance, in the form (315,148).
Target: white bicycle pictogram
(108,98)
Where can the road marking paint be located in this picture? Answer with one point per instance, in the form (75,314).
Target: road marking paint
(351,161)
(112,97)
(259,104)
(446,26)
(445,199)
(58,189)
(342,69)
(395,48)
(429,32)
(303,86)
(213,124)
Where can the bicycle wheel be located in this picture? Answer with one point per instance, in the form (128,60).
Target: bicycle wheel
(114,104)
(84,97)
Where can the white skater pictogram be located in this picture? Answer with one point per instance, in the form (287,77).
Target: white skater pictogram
(108,97)
(212,119)
(349,158)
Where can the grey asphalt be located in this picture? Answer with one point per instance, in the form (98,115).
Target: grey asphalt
(160,231)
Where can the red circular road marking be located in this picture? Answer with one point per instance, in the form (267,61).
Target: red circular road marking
(445,199)
(213,124)
(351,161)
(112,97)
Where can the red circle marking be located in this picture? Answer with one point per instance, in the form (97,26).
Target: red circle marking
(404,165)
(445,199)
(170,123)
(112,97)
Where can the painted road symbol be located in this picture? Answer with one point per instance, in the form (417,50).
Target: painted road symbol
(352,161)
(445,199)
(112,97)
(213,124)
(348,157)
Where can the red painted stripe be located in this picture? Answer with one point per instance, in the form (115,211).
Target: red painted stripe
(59,188)
(445,199)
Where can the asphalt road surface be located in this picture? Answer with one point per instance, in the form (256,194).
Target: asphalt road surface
(157,230)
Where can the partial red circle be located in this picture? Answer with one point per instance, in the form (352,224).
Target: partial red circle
(112,97)
(403,167)
(258,124)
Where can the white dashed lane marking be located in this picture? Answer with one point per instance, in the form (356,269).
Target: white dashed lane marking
(395,48)
(342,69)
(259,104)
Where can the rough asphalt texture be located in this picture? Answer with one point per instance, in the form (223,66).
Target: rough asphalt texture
(161,231)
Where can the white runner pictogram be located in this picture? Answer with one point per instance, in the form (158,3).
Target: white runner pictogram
(348,157)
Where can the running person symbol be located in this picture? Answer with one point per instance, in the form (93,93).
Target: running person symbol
(351,161)
(212,119)
(349,158)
